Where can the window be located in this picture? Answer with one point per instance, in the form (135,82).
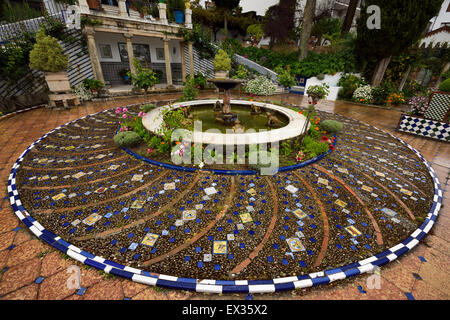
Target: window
(160,53)
(140,52)
(105,51)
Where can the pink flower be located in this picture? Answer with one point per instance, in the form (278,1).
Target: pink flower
(125,110)
(149,150)
(118,110)
(121,130)
(140,114)
(124,116)
(125,128)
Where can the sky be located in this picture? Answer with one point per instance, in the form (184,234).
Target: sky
(260,6)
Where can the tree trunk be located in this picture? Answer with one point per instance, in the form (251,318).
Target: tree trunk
(380,70)
(308,16)
(404,79)
(225,25)
(351,10)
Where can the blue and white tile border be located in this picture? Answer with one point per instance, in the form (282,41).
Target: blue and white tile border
(224,286)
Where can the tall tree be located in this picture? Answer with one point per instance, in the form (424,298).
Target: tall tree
(351,10)
(402,23)
(307,21)
(226,6)
(280,21)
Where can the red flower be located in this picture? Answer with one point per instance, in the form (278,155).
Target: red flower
(331,147)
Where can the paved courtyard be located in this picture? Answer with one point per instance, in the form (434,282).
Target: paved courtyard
(334,223)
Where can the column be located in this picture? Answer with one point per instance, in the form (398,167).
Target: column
(167,58)
(188,18)
(191,59)
(93,54)
(130,52)
(84,7)
(183,62)
(162,13)
(122,8)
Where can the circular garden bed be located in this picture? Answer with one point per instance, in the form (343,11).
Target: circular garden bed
(361,206)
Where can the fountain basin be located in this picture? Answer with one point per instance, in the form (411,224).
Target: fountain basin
(153,122)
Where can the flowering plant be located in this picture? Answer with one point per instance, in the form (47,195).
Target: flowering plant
(82,93)
(300,156)
(395,99)
(363,94)
(261,86)
(418,105)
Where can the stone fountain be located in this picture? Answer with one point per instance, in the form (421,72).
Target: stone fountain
(226,116)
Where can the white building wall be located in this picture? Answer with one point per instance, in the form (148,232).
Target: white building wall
(443,18)
(441,38)
(113,40)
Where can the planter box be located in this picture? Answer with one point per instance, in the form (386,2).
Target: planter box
(424,127)
(221,74)
(94,4)
(58,82)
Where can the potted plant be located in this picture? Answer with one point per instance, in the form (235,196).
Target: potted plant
(93,85)
(144,78)
(222,64)
(47,56)
(176,10)
(123,73)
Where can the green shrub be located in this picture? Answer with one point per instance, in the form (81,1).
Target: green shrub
(200,80)
(144,78)
(154,142)
(241,73)
(147,107)
(190,91)
(445,86)
(331,126)
(47,54)
(349,84)
(93,84)
(313,148)
(285,78)
(222,61)
(127,139)
(381,93)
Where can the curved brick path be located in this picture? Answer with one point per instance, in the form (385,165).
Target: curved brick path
(33,270)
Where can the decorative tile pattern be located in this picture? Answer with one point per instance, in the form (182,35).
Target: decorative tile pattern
(221,246)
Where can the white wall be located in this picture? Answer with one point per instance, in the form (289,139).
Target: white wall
(441,37)
(443,16)
(113,39)
(331,80)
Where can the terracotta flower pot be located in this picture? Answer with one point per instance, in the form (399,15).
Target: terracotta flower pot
(94,4)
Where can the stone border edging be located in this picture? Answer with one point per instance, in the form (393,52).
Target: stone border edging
(20,111)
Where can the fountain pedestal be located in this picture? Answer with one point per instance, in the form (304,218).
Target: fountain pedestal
(226,116)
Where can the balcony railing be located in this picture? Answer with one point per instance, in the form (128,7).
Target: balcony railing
(147,9)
